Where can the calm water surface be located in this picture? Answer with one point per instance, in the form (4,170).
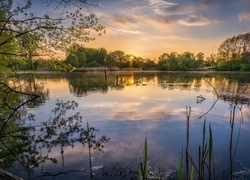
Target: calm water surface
(127,107)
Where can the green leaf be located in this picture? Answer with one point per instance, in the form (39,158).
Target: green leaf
(192,172)
(180,172)
(139,167)
(210,149)
(145,157)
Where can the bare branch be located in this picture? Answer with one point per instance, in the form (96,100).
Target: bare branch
(25,32)
(215,101)
(5,23)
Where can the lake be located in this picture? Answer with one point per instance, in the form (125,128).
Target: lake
(127,108)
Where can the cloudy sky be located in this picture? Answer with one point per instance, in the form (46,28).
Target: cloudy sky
(148,28)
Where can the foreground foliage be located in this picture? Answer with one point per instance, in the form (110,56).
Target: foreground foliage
(27,35)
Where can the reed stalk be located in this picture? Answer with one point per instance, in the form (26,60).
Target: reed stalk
(142,166)
(205,154)
(188,113)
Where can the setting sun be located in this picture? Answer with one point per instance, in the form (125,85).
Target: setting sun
(150,28)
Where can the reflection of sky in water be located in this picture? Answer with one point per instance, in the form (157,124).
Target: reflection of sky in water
(127,116)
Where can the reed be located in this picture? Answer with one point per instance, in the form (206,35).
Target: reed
(143,166)
(180,168)
(41,160)
(205,155)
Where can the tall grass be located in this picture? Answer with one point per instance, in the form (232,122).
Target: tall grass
(204,167)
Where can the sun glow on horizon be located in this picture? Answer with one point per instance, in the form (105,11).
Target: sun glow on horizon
(150,28)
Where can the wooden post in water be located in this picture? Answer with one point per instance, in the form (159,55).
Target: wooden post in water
(105,70)
(105,74)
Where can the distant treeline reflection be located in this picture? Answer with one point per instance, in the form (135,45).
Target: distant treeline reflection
(82,84)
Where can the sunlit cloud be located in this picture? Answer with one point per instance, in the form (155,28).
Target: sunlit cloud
(111,105)
(150,113)
(171,38)
(244,16)
(159,6)
(194,20)
(119,30)
(161,3)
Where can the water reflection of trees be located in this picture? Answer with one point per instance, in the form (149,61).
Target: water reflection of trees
(31,84)
(228,86)
(231,88)
(82,84)
(63,131)
(30,146)
(182,81)
(14,137)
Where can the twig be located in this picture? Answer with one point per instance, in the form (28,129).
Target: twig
(60,173)
(8,175)
(217,98)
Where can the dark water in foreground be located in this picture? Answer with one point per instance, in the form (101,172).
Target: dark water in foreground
(127,107)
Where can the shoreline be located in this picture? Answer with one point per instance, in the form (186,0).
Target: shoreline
(132,71)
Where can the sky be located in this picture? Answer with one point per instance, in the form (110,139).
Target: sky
(149,28)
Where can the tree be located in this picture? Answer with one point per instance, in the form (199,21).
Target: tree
(138,62)
(183,62)
(199,56)
(87,56)
(168,61)
(101,55)
(186,61)
(235,45)
(116,58)
(29,48)
(94,64)
(78,51)
(60,66)
(234,64)
(211,60)
(199,60)
(72,59)
(149,64)
(49,33)
(90,54)
(245,57)
(172,62)
(232,51)
(82,59)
